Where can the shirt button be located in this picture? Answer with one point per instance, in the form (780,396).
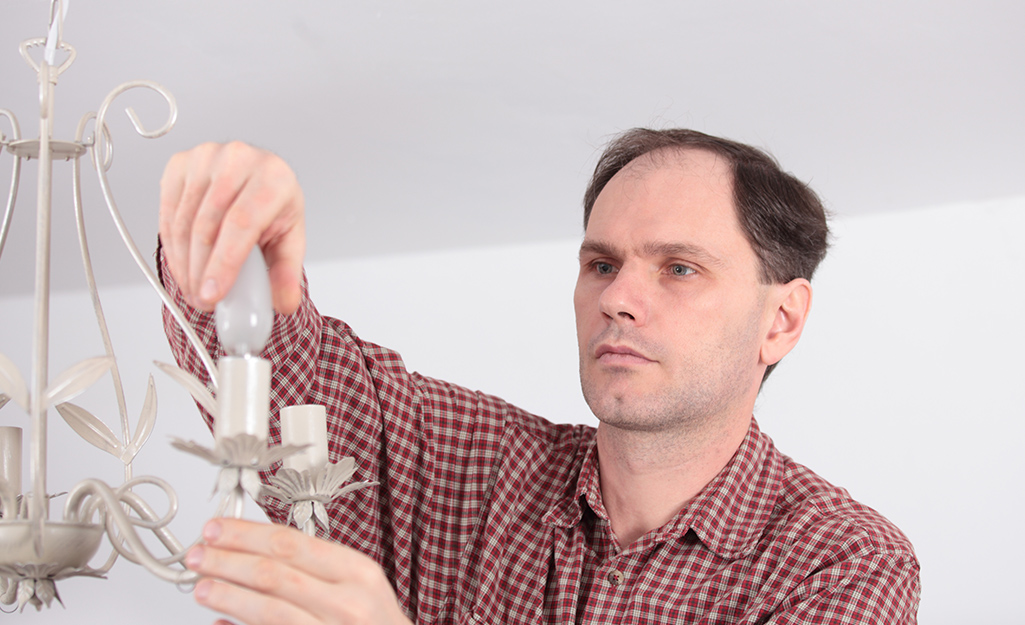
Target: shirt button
(615,578)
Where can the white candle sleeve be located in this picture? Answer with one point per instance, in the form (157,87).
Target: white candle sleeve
(243,395)
(305,425)
(10,459)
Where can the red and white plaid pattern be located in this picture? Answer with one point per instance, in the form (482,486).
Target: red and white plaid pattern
(488,514)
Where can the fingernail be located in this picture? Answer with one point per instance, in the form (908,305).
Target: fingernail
(202,590)
(212,531)
(194,557)
(209,291)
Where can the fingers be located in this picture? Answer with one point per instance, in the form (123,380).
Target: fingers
(265,210)
(249,606)
(182,188)
(260,573)
(316,604)
(317,558)
(216,202)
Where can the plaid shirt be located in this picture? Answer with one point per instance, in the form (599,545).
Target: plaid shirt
(488,514)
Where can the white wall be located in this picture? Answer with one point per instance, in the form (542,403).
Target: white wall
(903,389)
(906,390)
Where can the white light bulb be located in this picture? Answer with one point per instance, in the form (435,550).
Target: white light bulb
(245,316)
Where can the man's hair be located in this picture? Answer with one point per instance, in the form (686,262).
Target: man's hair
(782,218)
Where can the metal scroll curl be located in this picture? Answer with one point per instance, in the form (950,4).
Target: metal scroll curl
(101,151)
(92,499)
(12,195)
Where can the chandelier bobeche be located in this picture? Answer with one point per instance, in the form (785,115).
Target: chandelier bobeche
(36,551)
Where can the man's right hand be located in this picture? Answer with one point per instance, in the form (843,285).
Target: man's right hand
(217,202)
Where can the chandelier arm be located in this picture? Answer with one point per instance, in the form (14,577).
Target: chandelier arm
(121,529)
(12,195)
(163,533)
(109,564)
(100,149)
(117,541)
(101,320)
(170,542)
(95,506)
(232,503)
(148,518)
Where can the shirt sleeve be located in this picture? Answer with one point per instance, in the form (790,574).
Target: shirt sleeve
(878,589)
(433,447)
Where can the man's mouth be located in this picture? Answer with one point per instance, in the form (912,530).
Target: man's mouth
(619,355)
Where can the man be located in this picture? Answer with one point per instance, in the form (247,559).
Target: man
(694,283)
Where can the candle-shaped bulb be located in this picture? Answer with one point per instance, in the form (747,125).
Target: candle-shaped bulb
(244,320)
(245,316)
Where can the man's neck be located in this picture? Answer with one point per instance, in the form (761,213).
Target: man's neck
(648,477)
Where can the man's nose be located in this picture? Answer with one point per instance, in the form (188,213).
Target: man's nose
(626,299)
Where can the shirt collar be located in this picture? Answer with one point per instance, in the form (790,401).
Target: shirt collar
(728,515)
(569,511)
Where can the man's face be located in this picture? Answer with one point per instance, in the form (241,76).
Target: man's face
(669,306)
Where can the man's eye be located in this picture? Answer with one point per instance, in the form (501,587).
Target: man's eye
(681,270)
(603,268)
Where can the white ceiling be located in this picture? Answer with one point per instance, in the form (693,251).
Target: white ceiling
(420,124)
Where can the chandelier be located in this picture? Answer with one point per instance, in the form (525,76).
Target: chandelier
(37,551)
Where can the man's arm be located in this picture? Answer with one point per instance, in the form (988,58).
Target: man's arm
(431,446)
(217,202)
(879,588)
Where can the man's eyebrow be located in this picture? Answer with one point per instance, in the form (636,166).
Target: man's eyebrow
(598,248)
(654,248)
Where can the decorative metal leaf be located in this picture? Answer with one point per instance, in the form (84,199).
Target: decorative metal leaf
(302,512)
(27,594)
(249,480)
(227,480)
(332,476)
(46,591)
(12,384)
(77,378)
(194,448)
(146,422)
(280,452)
(320,513)
(197,389)
(354,487)
(8,590)
(243,450)
(287,485)
(295,481)
(90,428)
(4,399)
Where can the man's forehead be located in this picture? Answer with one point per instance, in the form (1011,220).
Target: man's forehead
(674,199)
(672,180)
(698,162)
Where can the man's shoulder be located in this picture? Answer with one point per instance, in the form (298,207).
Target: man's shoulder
(825,517)
(815,554)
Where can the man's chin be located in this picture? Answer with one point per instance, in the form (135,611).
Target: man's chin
(621,412)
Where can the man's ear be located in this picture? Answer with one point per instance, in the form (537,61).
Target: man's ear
(789,304)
